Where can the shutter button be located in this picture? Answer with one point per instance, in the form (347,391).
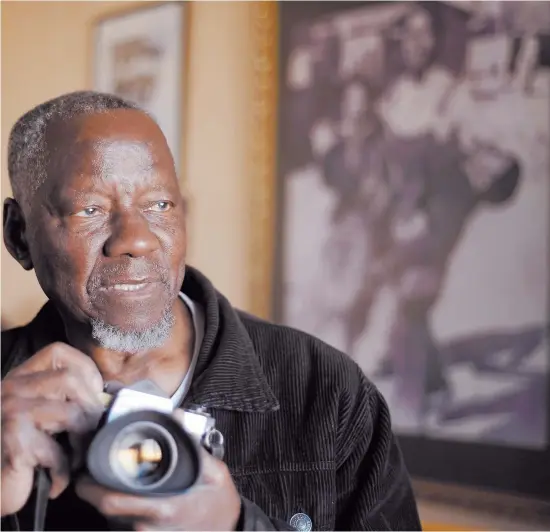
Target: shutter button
(301,522)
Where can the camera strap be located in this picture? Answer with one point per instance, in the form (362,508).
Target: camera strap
(43,484)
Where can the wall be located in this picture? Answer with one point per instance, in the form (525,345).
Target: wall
(47,50)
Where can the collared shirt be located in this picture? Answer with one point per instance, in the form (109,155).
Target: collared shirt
(412,107)
(197,320)
(306,433)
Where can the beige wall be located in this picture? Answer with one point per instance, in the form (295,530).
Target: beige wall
(46,50)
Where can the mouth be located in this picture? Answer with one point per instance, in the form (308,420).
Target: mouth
(125,287)
(130,286)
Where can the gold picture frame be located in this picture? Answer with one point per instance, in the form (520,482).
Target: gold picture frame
(487,512)
(264,28)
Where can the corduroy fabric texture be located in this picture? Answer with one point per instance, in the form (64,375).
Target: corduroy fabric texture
(305,430)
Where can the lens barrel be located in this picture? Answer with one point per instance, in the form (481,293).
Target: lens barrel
(144,453)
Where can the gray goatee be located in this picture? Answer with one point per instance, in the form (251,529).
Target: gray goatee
(115,339)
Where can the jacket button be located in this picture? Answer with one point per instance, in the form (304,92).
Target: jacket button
(301,522)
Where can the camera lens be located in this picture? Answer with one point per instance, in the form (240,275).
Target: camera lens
(143,454)
(139,458)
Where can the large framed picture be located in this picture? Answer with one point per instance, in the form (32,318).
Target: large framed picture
(413,220)
(140,55)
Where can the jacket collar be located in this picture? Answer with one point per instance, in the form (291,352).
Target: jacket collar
(228,374)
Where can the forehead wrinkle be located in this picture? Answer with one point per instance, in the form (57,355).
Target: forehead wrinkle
(122,162)
(90,166)
(123,154)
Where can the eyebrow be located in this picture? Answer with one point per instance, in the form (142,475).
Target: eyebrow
(78,192)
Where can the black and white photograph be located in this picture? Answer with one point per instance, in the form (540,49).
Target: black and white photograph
(414,204)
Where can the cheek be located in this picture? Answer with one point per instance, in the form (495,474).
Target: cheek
(64,264)
(174,243)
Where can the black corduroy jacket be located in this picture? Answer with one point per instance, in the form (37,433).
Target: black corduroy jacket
(305,431)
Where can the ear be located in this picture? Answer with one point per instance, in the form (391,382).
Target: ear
(14,233)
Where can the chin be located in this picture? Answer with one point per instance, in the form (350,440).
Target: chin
(133,336)
(135,322)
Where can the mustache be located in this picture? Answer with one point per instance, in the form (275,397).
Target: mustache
(130,269)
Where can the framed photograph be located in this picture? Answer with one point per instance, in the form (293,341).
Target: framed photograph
(413,226)
(139,55)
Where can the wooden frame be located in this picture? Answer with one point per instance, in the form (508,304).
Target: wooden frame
(157,42)
(264,29)
(473,465)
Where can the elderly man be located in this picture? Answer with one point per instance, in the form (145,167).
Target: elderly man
(99,216)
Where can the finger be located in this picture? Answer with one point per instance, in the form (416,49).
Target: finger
(213,471)
(113,504)
(25,448)
(62,384)
(51,416)
(62,356)
(51,456)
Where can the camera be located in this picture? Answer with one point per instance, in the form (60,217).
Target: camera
(140,448)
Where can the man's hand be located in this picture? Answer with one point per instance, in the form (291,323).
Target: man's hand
(212,504)
(56,390)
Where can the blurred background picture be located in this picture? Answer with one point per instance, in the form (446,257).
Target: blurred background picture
(139,55)
(413,161)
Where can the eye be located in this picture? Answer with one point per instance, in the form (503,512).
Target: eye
(88,212)
(160,206)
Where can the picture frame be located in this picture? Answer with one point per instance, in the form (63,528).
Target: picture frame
(140,54)
(487,466)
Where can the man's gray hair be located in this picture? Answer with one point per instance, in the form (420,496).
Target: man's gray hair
(27,151)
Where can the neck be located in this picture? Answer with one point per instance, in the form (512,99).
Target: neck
(165,365)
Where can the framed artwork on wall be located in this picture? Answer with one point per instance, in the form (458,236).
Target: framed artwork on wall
(140,55)
(413,227)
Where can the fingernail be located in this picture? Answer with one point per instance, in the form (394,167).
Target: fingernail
(58,487)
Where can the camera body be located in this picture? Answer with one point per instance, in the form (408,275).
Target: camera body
(141,448)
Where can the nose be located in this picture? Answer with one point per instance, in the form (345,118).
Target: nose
(130,236)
